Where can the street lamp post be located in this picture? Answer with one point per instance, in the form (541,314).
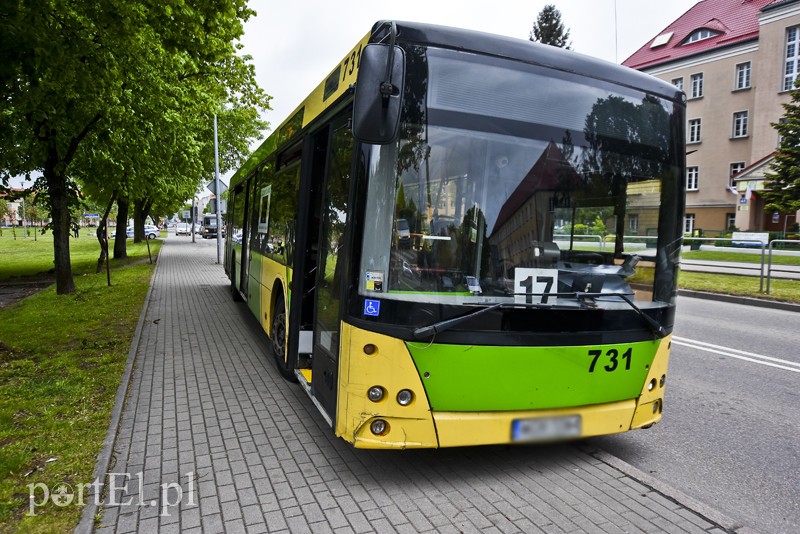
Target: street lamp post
(217,194)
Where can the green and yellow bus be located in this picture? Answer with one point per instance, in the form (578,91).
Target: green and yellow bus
(409,241)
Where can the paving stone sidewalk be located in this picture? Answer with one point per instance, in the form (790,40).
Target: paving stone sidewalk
(211,439)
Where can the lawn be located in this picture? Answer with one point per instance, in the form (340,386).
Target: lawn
(743,286)
(61,361)
(24,258)
(742,257)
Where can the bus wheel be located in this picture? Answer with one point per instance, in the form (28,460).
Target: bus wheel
(279,342)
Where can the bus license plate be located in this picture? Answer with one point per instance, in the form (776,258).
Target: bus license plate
(546,428)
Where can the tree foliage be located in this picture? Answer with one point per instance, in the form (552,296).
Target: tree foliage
(548,28)
(782,185)
(116,98)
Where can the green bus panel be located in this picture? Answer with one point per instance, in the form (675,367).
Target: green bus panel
(490,378)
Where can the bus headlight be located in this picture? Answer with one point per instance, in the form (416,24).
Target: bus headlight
(376,393)
(379,427)
(404,397)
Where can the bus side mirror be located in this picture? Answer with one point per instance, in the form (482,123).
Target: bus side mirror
(379,88)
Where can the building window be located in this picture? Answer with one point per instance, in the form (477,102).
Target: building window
(740,124)
(694,131)
(730,221)
(700,35)
(781,120)
(743,76)
(678,82)
(792,64)
(697,85)
(633,222)
(735,168)
(688,223)
(692,178)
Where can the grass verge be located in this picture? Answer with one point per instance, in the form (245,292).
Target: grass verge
(24,258)
(743,286)
(741,257)
(61,360)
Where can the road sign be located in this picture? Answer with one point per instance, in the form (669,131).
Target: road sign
(222,187)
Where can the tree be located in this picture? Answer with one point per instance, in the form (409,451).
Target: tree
(548,28)
(782,185)
(4,210)
(112,93)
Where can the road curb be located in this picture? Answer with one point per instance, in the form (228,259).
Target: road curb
(104,459)
(734,299)
(677,496)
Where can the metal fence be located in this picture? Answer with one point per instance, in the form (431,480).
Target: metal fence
(762,270)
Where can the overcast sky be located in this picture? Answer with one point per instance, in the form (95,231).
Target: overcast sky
(295,44)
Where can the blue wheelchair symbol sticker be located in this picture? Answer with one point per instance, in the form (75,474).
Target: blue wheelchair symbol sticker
(372,307)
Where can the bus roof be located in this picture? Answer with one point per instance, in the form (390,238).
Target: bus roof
(530,52)
(344,74)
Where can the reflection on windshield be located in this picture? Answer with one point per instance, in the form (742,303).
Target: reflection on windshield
(477,210)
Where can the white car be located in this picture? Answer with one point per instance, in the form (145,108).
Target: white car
(150,231)
(183,229)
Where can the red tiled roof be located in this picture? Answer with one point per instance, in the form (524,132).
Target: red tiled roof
(735,20)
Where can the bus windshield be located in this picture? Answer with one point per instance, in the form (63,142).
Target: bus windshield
(516,183)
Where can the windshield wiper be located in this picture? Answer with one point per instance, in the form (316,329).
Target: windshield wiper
(435,328)
(655,327)
(441,326)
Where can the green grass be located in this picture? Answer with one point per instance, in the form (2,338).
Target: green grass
(61,361)
(742,257)
(24,258)
(744,286)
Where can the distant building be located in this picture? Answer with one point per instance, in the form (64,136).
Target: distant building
(14,215)
(736,60)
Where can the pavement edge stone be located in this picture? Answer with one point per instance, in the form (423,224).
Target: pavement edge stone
(747,301)
(668,491)
(86,523)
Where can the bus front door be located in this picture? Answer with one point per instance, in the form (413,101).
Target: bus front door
(333,219)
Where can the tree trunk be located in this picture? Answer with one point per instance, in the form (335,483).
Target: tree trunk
(139,215)
(141,209)
(120,241)
(102,234)
(59,211)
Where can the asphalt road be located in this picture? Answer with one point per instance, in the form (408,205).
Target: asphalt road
(730,436)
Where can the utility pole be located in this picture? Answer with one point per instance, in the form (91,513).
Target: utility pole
(24,219)
(194,215)
(217,193)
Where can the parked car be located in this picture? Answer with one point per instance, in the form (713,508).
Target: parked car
(150,231)
(183,229)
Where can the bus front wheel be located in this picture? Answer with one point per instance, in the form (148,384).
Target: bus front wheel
(279,342)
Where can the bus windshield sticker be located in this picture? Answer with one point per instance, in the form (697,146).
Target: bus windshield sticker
(375,281)
(372,307)
(534,285)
